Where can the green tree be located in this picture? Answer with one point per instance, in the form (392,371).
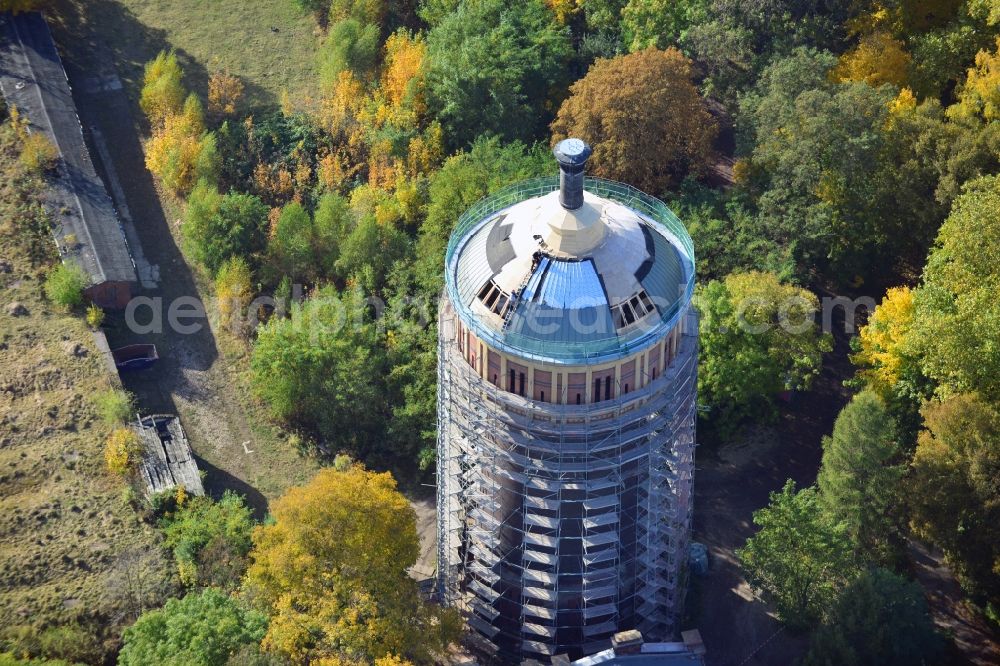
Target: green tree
(332,222)
(739,38)
(201,629)
(220,227)
(368,253)
(350,45)
(202,527)
(758,338)
(660,23)
(493,68)
(65,284)
(816,150)
(953,488)
(318,369)
(798,560)
(643,117)
(957,312)
(336,586)
(859,479)
(880,619)
(290,249)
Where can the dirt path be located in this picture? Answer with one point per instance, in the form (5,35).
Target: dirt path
(199,376)
(975,641)
(730,484)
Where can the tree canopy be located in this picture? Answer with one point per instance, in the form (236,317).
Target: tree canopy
(331,568)
(957,312)
(798,559)
(317,369)
(859,478)
(492,67)
(953,493)
(652,150)
(758,338)
(880,619)
(210,539)
(223,226)
(200,629)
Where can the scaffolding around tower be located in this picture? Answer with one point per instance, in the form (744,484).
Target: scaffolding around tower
(517,484)
(566,457)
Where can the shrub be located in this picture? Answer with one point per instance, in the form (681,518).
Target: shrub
(64,286)
(210,540)
(122,451)
(38,153)
(201,628)
(224,93)
(95,316)
(115,406)
(233,291)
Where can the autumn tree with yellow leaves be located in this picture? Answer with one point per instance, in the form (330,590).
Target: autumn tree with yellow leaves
(885,354)
(162,91)
(979,96)
(224,93)
(122,451)
(878,58)
(234,292)
(181,151)
(331,570)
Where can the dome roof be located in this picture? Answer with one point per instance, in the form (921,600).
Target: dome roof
(571,286)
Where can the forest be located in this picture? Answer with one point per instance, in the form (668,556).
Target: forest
(849,147)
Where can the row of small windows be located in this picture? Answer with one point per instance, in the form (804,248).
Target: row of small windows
(516,380)
(628,312)
(494,298)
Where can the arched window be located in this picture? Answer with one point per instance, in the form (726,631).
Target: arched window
(542,394)
(578,398)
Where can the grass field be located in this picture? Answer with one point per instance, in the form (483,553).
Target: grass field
(269,44)
(65,530)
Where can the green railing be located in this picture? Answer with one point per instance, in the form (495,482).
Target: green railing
(563,352)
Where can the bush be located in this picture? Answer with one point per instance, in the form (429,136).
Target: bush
(201,628)
(115,406)
(210,540)
(233,292)
(95,316)
(122,451)
(64,286)
(38,153)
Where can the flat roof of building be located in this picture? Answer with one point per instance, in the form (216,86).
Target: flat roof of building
(33,79)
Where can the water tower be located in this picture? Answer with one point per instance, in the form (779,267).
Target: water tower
(567,366)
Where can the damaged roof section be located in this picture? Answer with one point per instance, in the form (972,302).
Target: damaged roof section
(167,460)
